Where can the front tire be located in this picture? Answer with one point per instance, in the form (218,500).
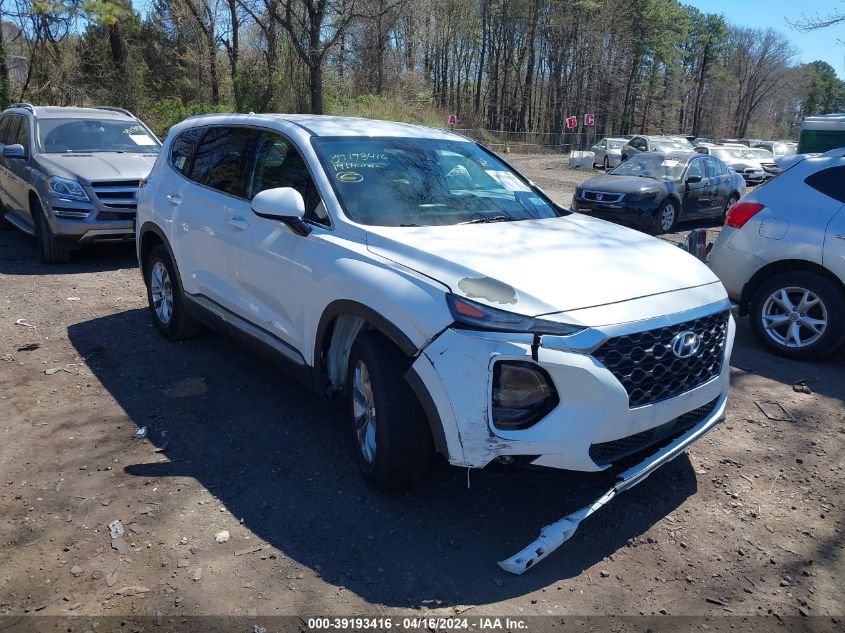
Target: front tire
(393,444)
(666,218)
(51,250)
(799,315)
(165,297)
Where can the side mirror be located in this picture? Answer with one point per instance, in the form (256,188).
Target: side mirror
(693,179)
(14,151)
(284,204)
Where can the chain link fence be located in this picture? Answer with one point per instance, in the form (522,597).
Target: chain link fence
(505,142)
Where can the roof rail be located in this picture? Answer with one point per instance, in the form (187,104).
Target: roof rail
(113,109)
(25,106)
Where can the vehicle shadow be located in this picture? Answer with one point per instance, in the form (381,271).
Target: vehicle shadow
(19,256)
(281,461)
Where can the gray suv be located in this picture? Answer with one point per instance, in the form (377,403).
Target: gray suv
(70,176)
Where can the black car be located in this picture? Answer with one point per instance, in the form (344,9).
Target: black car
(656,190)
(639,144)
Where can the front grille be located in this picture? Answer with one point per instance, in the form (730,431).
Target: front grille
(651,372)
(609,452)
(120,195)
(600,196)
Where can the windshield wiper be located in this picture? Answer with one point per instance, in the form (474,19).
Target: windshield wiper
(489,218)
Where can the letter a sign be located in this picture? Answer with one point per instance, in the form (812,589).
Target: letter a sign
(589,119)
(571,122)
(453,119)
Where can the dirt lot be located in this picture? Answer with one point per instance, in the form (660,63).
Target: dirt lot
(749,522)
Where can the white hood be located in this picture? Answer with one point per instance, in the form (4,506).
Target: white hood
(536,267)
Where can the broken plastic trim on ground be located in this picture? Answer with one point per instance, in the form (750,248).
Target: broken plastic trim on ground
(554,535)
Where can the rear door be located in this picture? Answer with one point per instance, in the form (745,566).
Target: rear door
(719,186)
(204,209)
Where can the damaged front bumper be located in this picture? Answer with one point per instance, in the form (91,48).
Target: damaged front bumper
(554,535)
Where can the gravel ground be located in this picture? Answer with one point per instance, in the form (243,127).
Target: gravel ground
(749,522)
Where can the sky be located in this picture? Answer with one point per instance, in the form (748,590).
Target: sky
(822,44)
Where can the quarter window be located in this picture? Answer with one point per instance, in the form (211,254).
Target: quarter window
(219,161)
(830,182)
(182,148)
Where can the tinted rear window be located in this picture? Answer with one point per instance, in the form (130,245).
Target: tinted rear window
(830,182)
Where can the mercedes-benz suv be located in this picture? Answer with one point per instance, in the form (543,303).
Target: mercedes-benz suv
(455,305)
(69,176)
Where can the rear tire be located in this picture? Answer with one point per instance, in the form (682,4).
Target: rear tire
(51,249)
(393,444)
(813,329)
(165,297)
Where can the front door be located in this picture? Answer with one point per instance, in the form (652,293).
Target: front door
(272,265)
(695,193)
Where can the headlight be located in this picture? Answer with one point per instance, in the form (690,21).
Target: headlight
(67,188)
(482,317)
(523,394)
(642,196)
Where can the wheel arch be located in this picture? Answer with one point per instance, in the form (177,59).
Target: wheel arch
(340,324)
(775,268)
(150,235)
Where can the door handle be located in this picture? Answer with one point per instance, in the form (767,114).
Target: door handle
(174,198)
(237,222)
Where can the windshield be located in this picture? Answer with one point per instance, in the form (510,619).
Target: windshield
(759,154)
(425,182)
(671,143)
(616,144)
(62,136)
(728,153)
(651,166)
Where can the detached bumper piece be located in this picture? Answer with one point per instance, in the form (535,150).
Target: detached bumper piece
(554,535)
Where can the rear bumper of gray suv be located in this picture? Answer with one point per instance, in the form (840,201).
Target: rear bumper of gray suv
(107,216)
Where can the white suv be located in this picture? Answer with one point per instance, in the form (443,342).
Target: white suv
(458,308)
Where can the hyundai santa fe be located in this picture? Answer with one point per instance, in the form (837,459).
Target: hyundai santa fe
(458,308)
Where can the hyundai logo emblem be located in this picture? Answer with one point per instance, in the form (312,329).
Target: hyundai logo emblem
(599,197)
(685,344)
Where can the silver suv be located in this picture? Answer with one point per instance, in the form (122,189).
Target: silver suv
(70,175)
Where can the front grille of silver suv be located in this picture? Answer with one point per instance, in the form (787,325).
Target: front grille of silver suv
(119,196)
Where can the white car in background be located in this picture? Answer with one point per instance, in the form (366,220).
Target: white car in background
(607,153)
(781,257)
(457,308)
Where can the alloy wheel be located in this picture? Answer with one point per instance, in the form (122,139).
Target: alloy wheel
(667,217)
(364,408)
(794,317)
(162,292)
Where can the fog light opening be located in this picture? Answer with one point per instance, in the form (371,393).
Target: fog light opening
(523,394)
